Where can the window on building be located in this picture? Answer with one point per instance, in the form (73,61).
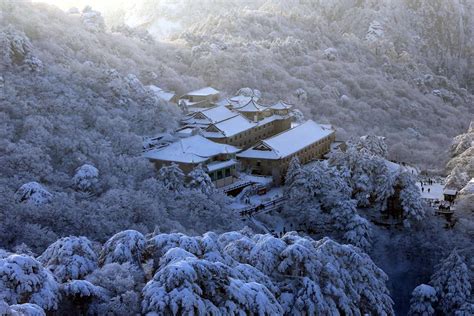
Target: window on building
(259,163)
(227,172)
(219,174)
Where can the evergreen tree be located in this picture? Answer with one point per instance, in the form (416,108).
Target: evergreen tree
(86,177)
(200,180)
(70,258)
(294,171)
(452,284)
(422,299)
(172,177)
(24,280)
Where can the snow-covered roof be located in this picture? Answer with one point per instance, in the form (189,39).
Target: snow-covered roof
(450,191)
(252,106)
(224,102)
(230,127)
(288,142)
(194,149)
(160,93)
(218,165)
(280,105)
(240,100)
(186,131)
(271,118)
(212,115)
(203,92)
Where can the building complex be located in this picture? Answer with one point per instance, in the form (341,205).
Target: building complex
(240,134)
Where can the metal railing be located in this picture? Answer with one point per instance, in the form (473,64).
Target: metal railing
(262,208)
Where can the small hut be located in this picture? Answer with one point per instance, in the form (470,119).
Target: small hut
(450,195)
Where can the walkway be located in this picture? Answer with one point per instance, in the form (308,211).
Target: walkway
(262,208)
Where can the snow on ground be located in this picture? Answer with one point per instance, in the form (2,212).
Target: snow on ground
(263,180)
(270,195)
(435,192)
(256,200)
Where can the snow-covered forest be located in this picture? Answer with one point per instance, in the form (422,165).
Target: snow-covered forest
(89,226)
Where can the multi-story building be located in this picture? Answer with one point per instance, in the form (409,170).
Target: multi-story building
(263,132)
(205,97)
(308,141)
(217,159)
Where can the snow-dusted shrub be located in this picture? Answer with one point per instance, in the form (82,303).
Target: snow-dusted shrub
(249,92)
(86,177)
(330,53)
(70,258)
(125,246)
(422,299)
(374,144)
(16,49)
(92,20)
(375,32)
(24,280)
(33,193)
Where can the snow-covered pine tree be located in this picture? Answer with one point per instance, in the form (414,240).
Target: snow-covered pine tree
(125,246)
(465,310)
(172,177)
(422,299)
(374,144)
(188,285)
(122,283)
(86,177)
(237,272)
(410,198)
(78,296)
(294,171)
(200,180)
(26,309)
(24,280)
(452,283)
(33,193)
(70,258)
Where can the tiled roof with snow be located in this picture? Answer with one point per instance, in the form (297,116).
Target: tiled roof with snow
(288,142)
(223,102)
(450,191)
(160,93)
(252,106)
(218,113)
(218,165)
(194,149)
(280,105)
(230,127)
(203,92)
(239,101)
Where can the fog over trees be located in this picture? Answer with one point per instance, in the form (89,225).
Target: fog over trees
(89,226)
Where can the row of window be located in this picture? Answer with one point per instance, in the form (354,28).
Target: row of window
(220,174)
(309,149)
